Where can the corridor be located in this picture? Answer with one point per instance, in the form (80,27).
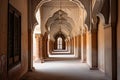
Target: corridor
(59,40)
(59,69)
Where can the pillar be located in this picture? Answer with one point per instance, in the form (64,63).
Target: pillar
(94,44)
(41,48)
(71,45)
(84,47)
(76,45)
(66,42)
(82,54)
(79,46)
(55,44)
(30,48)
(45,50)
(51,46)
(37,36)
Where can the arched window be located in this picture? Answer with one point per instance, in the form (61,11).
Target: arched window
(59,43)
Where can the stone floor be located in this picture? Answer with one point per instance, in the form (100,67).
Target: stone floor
(63,70)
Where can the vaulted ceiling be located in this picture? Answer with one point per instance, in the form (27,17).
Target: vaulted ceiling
(69,16)
(65,14)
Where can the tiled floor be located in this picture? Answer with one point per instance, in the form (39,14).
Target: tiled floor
(63,70)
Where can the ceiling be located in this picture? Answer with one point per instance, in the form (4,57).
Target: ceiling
(69,16)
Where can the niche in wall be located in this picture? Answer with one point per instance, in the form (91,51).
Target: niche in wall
(14,37)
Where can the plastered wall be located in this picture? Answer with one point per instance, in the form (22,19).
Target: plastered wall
(118,40)
(3,26)
(3,38)
(89,55)
(18,71)
(101,48)
(108,53)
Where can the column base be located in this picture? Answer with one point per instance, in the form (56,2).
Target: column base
(83,61)
(42,60)
(94,68)
(31,70)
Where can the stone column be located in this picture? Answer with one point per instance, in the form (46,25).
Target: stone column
(76,45)
(74,41)
(66,43)
(30,52)
(55,44)
(45,39)
(41,48)
(94,42)
(51,46)
(82,58)
(37,56)
(79,46)
(84,47)
(71,45)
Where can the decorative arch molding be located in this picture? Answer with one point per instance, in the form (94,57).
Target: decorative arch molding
(59,34)
(60,17)
(85,28)
(36,4)
(62,36)
(63,23)
(96,10)
(80,5)
(97,6)
(101,17)
(64,28)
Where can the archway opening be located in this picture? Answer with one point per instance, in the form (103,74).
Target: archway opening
(59,43)
(36,36)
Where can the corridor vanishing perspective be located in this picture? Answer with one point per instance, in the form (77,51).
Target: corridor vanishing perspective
(59,40)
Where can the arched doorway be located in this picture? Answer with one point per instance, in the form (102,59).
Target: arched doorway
(59,43)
